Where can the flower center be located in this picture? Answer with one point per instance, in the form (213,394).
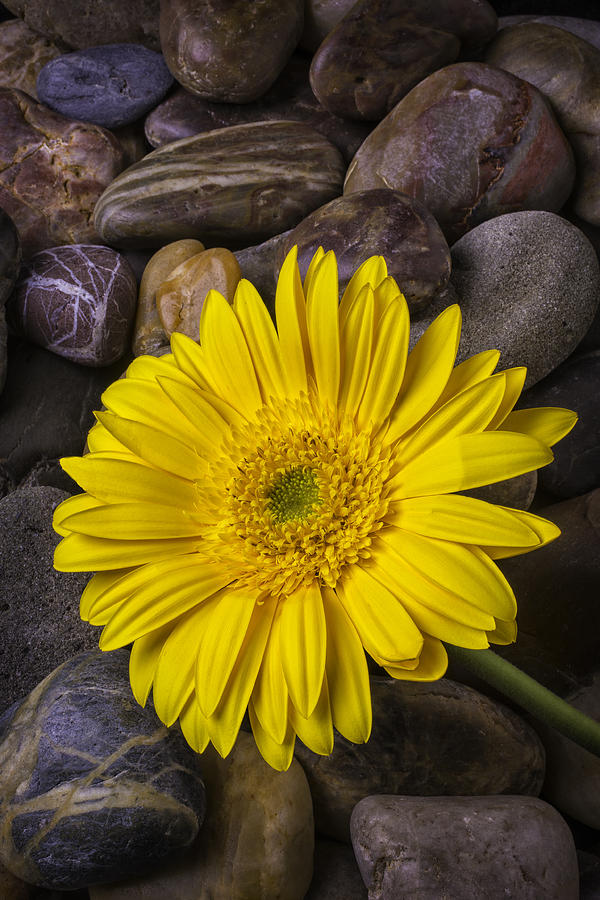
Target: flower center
(293,495)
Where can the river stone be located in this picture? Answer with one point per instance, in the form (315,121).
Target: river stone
(77,301)
(23,52)
(321,17)
(379,222)
(427,739)
(110,85)
(380,50)
(566,69)
(10,263)
(256,844)
(182,114)
(52,172)
(229,50)
(230,187)
(149,335)
(87,23)
(336,875)
(93,787)
(467,847)
(180,298)
(470,142)
(588,29)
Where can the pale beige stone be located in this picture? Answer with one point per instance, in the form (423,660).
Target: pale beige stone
(180,298)
(257,841)
(149,335)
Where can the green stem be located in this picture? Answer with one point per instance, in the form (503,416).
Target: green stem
(531,695)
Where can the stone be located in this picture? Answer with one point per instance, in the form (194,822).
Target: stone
(77,301)
(566,69)
(516,492)
(179,299)
(380,50)
(427,739)
(10,264)
(183,114)
(259,265)
(110,85)
(13,888)
(93,787)
(48,473)
(149,335)
(574,385)
(133,142)
(336,875)
(470,142)
(229,50)
(88,23)
(588,29)
(23,52)
(46,408)
(589,875)
(39,607)
(528,284)
(321,17)
(379,222)
(257,841)
(467,847)
(231,187)
(52,172)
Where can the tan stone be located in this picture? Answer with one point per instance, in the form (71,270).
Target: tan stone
(149,335)
(180,298)
(23,52)
(257,841)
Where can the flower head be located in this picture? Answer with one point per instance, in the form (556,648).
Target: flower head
(264,506)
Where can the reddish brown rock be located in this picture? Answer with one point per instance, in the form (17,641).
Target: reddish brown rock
(23,52)
(470,142)
(52,172)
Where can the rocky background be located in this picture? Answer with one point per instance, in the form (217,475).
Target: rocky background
(150,150)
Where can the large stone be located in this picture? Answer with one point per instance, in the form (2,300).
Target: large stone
(382,49)
(566,69)
(467,847)
(588,29)
(87,23)
(229,50)
(10,263)
(93,787)
(110,85)
(471,142)
(336,876)
(380,222)
(230,187)
(321,17)
(52,172)
(427,739)
(23,52)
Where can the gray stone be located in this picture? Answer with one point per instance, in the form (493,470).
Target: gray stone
(517,492)
(336,875)
(427,739)
(78,301)
(93,787)
(467,847)
(10,263)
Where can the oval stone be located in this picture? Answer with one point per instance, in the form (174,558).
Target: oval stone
(94,787)
(373,223)
(10,264)
(229,50)
(77,301)
(23,52)
(110,85)
(233,187)
(470,142)
(419,733)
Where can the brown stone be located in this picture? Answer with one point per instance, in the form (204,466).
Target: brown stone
(321,17)
(229,50)
(149,335)
(180,298)
(470,142)
(23,53)
(52,172)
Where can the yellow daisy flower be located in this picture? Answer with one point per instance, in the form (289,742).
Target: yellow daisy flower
(264,506)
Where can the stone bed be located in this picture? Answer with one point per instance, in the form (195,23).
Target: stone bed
(467,153)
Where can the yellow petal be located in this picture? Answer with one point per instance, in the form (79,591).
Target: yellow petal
(81,553)
(467,373)
(290,312)
(194,726)
(148,368)
(427,371)
(75,504)
(433,662)
(504,633)
(133,521)
(144,659)
(372,272)
(383,625)
(208,427)
(278,755)
(356,340)
(347,673)
(191,361)
(386,293)
(101,440)
(548,424)
(544,530)
(315,731)
(144,401)
(323,328)
(312,267)
(95,587)
(387,366)
(515,379)
(302,644)
(261,338)
(270,695)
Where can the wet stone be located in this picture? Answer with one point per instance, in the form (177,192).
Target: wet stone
(77,301)
(23,52)
(379,222)
(10,263)
(470,142)
(93,787)
(111,85)
(229,50)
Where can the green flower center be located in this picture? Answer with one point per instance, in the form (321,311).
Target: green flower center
(293,494)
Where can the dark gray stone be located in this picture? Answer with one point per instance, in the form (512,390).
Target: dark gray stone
(94,788)
(336,873)
(10,263)
(110,85)
(467,847)
(78,301)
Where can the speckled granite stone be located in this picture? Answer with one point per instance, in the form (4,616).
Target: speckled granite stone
(23,52)
(92,786)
